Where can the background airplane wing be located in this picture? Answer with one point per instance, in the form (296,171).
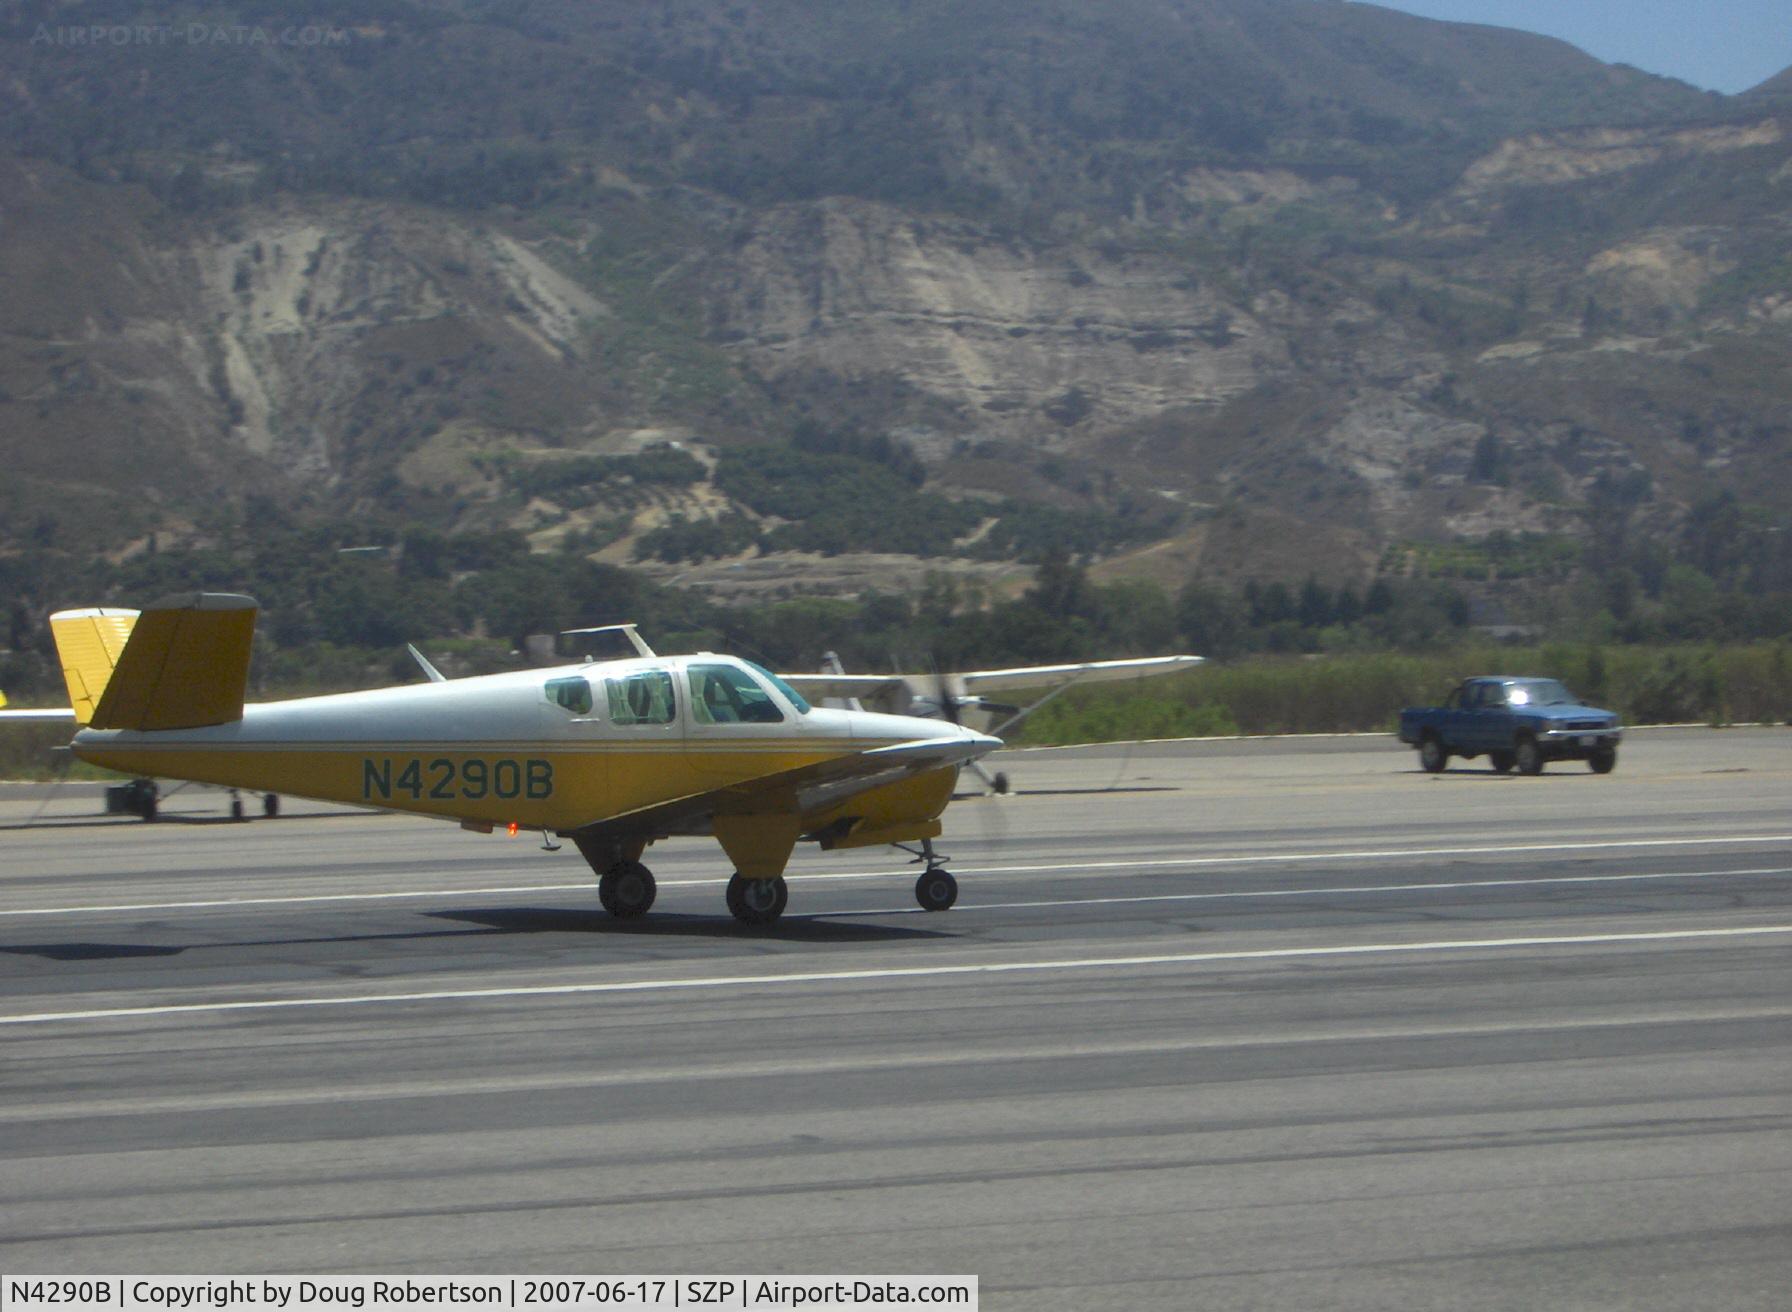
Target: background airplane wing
(43,715)
(1040,676)
(820,687)
(804,790)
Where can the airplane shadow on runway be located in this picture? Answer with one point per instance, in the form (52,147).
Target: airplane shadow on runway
(796,929)
(505,921)
(1069,792)
(177,818)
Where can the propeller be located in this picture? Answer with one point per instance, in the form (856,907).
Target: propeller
(951,707)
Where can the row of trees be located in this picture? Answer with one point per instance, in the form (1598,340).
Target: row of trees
(340,599)
(326,587)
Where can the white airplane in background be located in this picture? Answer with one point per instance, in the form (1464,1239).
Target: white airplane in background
(959,698)
(614,754)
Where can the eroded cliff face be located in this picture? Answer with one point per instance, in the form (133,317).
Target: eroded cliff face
(1210,352)
(319,318)
(296,350)
(1560,158)
(1021,340)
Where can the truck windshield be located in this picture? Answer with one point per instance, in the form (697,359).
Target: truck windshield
(1540,692)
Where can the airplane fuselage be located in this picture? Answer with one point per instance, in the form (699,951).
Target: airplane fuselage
(555,749)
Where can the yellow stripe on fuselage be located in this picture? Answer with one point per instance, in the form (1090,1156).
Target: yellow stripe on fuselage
(547,785)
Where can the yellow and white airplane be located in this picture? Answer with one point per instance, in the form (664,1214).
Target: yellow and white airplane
(613,754)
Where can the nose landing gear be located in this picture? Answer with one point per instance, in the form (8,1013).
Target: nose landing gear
(935,890)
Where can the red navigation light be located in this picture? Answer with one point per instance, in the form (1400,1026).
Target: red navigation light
(511,829)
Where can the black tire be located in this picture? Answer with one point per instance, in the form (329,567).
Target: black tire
(236,808)
(1501,762)
(1528,757)
(1432,755)
(1603,760)
(1001,782)
(936,891)
(270,805)
(627,890)
(757,901)
(140,798)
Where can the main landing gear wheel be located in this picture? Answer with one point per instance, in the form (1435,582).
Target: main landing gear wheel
(936,890)
(757,901)
(627,890)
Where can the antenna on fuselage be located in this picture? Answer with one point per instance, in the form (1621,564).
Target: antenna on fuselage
(626,630)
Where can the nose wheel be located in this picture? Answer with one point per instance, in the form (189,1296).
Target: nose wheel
(626,889)
(936,890)
(757,901)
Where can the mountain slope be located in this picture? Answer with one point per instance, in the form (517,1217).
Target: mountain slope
(1292,283)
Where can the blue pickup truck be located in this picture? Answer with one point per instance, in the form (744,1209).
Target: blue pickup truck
(1513,722)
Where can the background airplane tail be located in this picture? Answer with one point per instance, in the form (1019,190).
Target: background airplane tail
(89,643)
(181,663)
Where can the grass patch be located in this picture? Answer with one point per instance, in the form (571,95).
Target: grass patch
(1741,684)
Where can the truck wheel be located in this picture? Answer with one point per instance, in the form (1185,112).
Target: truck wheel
(1432,755)
(1603,760)
(1528,757)
(1500,761)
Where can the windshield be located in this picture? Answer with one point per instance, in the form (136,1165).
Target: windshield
(791,695)
(1540,692)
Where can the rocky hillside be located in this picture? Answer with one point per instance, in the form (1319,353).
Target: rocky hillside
(1254,287)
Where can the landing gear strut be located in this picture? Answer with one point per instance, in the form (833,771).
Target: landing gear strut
(757,901)
(935,890)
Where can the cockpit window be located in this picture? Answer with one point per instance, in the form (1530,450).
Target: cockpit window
(791,695)
(572,694)
(641,698)
(726,694)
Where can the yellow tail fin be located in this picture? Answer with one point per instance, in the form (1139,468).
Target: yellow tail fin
(181,663)
(89,643)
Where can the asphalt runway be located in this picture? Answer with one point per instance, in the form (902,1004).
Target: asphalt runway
(1276,1024)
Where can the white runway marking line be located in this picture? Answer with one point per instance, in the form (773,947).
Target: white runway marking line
(976,1052)
(1183,863)
(892,973)
(1316,892)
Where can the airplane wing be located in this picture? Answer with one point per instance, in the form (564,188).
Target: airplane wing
(870,686)
(1041,676)
(819,687)
(804,790)
(44,715)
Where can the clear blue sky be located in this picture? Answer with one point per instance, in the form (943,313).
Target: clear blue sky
(1721,45)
